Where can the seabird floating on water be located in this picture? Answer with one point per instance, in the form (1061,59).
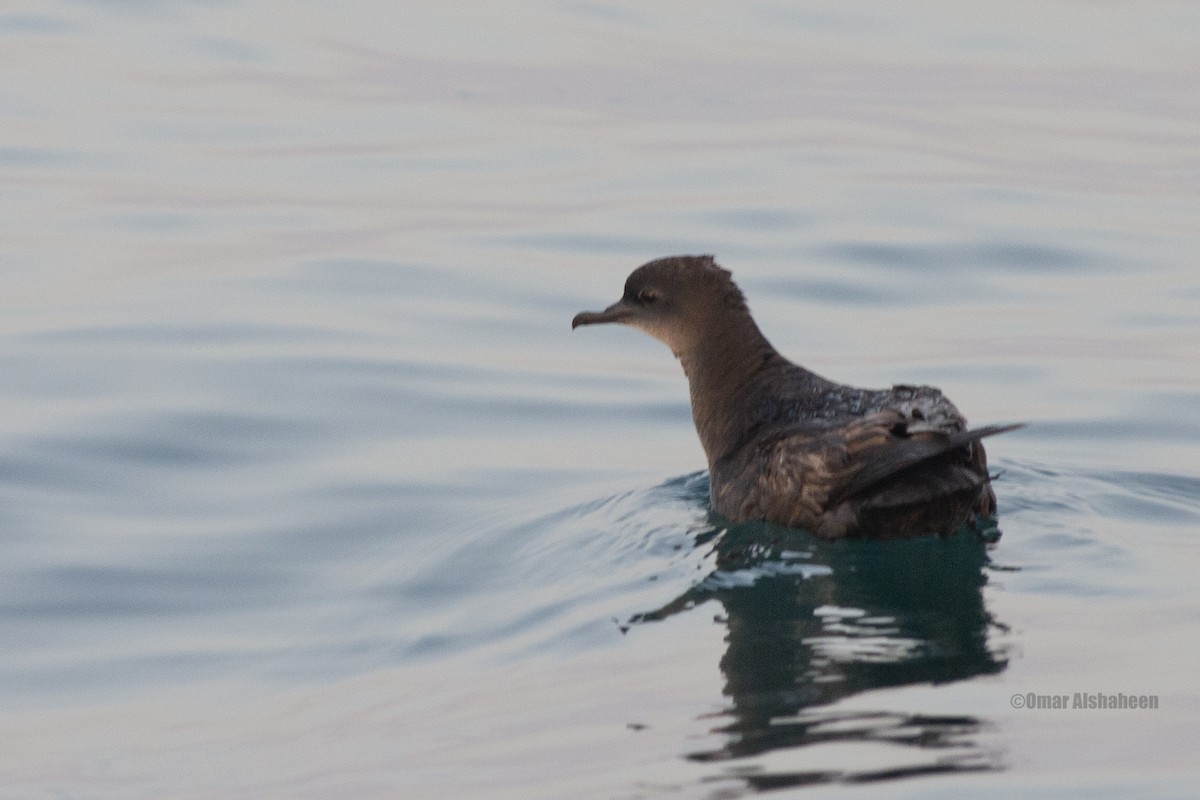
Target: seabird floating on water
(789,447)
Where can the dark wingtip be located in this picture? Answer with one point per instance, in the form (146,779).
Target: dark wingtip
(992,430)
(907,453)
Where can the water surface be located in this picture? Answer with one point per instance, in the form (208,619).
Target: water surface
(307,489)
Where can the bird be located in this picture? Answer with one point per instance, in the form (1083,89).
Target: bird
(789,447)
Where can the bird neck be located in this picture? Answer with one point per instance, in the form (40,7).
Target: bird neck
(720,369)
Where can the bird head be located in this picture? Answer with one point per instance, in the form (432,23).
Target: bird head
(676,300)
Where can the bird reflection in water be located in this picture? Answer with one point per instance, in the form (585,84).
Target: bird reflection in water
(811,622)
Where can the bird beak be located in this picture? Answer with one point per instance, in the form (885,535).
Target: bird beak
(619,311)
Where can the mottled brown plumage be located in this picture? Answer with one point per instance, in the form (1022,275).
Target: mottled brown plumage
(788,446)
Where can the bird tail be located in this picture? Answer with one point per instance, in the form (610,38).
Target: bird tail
(902,455)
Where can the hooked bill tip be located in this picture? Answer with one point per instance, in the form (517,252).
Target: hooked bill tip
(617,312)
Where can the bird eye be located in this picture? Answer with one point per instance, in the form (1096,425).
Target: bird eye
(647,296)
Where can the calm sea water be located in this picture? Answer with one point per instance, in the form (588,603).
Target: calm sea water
(308,490)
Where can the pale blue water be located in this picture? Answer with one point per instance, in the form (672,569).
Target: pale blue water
(308,490)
